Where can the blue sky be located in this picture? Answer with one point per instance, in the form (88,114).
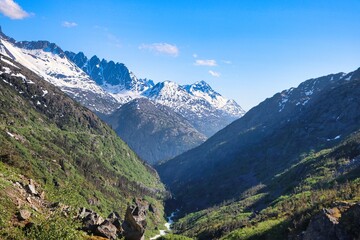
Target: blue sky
(246,49)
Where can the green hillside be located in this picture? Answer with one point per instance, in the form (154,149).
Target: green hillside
(73,157)
(283,208)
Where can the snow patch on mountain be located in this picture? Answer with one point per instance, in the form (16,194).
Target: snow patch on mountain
(57,69)
(104,86)
(301,95)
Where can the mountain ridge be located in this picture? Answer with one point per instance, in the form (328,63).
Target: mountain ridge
(104,86)
(51,142)
(195,102)
(164,134)
(245,153)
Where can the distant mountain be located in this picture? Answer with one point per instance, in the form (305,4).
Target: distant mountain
(56,155)
(154,131)
(114,78)
(104,86)
(49,61)
(204,108)
(268,139)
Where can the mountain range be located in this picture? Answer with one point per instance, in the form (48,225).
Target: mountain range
(289,168)
(267,140)
(203,107)
(105,86)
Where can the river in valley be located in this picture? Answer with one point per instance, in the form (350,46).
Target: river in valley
(167,225)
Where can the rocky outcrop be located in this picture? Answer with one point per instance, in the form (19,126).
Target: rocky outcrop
(108,230)
(342,222)
(24,214)
(93,223)
(132,228)
(135,220)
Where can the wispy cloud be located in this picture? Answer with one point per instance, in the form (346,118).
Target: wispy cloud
(214,74)
(114,40)
(111,38)
(12,10)
(69,24)
(195,55)
(201,62)
(161,48)
(226,61)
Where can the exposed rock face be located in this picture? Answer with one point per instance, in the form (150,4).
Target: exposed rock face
(338,223)
(132,228)
(135,220)
(115,219)
(107,229)
(31,189)
(95,224)
(24,214)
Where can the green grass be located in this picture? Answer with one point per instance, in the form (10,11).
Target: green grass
(262,230)
(74,156)
(285,206)
(174,237)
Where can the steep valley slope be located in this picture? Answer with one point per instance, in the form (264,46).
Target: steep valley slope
(288,169)
(75,159)
(270,138)
(104,86)
(154,131)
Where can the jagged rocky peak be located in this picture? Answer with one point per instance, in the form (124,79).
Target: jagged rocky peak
(140,84)
(50,62)
(78,58)
(201,86)
(102,71)
(46,46)
(166,89)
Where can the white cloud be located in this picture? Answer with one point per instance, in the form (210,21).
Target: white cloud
(69,24)
(161,48)
(195,55)
(214,74)
(12,10)
(227,62)
(210,63)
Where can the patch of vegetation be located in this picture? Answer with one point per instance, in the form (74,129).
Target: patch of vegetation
(174,237)
(54,228)
(283,208)
(75,157)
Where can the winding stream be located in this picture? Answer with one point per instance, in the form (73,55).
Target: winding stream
(167,226)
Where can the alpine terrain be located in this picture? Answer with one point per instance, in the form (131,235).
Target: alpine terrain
(89,149)
(104,86)
(203,107)
(163,133)
(300,141)
(63,170)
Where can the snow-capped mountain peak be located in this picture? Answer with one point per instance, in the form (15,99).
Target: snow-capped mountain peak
(140,85)
(49,61)
(203,90)
(104,86)
(200,86)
